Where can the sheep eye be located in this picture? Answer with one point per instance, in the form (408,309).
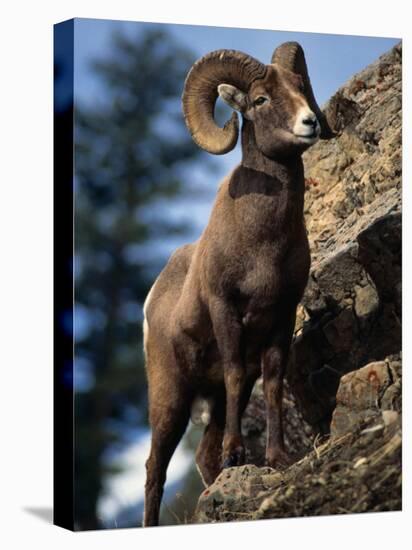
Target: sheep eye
(260,100)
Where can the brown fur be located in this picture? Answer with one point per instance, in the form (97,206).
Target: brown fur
(222,311)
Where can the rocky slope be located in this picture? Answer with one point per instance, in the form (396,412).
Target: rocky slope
(343,398)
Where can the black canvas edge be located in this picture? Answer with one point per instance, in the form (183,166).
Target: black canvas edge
(63,337)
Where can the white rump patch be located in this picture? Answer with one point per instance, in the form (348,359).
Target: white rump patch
(200,411)
(145,323)
(146,302)
(145,334)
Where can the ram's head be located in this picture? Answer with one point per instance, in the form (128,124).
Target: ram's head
(277,99)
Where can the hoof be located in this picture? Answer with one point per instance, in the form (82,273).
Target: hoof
(234,458)
(279,460)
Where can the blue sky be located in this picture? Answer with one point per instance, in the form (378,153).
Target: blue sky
(332,59)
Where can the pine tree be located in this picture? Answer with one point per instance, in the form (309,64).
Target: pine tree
(131,147)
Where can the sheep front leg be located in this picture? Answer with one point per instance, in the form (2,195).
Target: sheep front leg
(228,330)
(274,363)
(209,452)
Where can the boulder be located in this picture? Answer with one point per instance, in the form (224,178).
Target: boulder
(372,391)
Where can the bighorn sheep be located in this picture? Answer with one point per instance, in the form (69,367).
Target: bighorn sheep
(223,309)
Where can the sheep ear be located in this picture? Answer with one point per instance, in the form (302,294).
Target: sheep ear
(233,97)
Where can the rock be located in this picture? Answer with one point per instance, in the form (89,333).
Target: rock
(361,395)
(364,161)
(357,472)
(366,300)
(233,488)
(391,399)
(341,330)
(389,417)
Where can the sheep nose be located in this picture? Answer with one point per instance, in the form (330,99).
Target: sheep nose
(310,120)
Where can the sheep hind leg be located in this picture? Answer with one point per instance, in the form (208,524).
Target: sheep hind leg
(274,363)
(168,426)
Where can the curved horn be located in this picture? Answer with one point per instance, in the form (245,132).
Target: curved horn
(200,94)
(290,56)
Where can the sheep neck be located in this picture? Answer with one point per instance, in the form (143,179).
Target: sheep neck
(283,176)
(287,169)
